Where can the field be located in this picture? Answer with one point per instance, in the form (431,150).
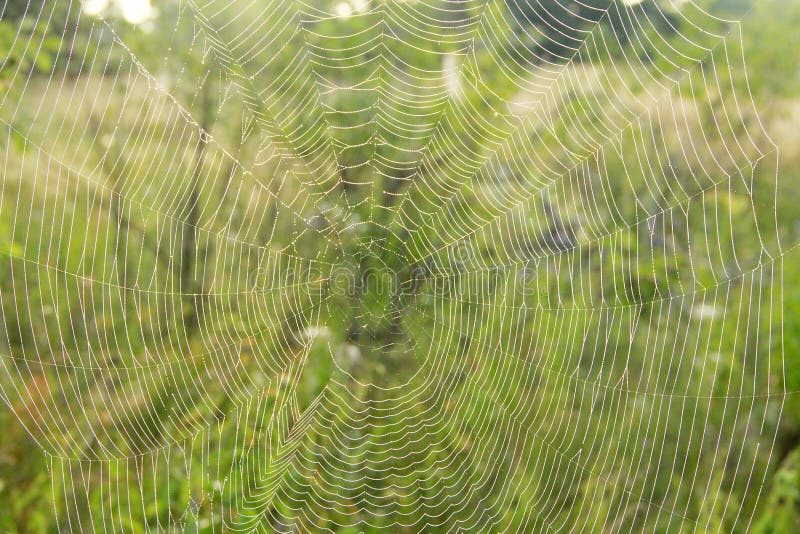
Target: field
(402,266)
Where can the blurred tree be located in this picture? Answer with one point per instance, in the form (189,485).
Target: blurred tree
(561,27)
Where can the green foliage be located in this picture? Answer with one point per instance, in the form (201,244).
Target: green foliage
(782,508)
(26,44)
(132,239)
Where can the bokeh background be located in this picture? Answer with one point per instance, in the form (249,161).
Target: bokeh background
(126,242)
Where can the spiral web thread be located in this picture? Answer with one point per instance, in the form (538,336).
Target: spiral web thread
(595,342)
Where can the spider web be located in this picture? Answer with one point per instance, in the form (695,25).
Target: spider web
(575,244)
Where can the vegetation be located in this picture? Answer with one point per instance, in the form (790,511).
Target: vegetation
(235,242)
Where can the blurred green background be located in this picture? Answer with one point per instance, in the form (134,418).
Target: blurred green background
(158,284)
